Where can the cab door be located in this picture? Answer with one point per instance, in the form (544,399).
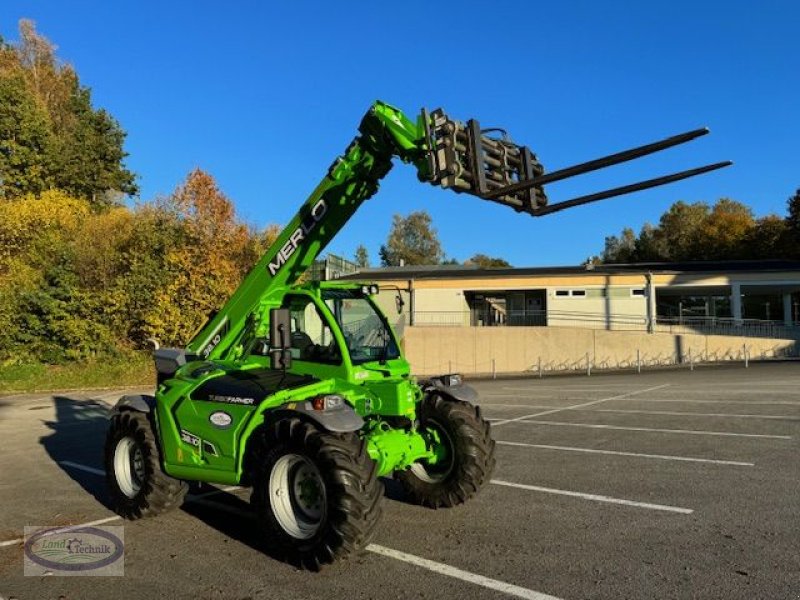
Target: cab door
(316,349)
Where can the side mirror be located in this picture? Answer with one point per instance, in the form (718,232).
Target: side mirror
(280,338)
(399,302)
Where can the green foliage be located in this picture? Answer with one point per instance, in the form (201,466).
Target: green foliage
(487,262)
(725,231)
(620,249)
(26,142)
(58,321)
(412,241)
(50,134)
(768,239)
(792,234)
(361,257)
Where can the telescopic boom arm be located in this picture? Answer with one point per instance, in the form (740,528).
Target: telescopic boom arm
(445,152)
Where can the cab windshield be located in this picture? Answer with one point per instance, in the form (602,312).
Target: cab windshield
(365,331)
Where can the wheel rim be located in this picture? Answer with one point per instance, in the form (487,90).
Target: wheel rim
(129,466)
(297,496)
(436,473)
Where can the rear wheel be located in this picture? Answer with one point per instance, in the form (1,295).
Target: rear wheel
(136,483)
(465,451)
(316,494)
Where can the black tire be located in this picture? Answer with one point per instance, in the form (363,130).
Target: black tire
(347,494)
(145,490)
(470,459)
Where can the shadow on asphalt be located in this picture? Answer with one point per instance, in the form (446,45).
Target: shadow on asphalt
(77,434)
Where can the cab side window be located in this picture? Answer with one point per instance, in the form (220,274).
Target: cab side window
(312,338)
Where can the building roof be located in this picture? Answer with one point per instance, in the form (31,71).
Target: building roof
(472,271)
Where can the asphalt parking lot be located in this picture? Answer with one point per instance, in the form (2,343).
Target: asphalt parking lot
(670,484)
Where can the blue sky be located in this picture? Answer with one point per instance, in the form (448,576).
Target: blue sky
(265,95)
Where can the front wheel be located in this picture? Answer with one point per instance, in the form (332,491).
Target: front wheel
(316,494)
(136,483)
(465,450)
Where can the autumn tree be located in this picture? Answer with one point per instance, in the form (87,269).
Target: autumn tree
(412,241)
(678,233)
(77,283)
(46,312)
(725,231)
(206,267)
(722,232)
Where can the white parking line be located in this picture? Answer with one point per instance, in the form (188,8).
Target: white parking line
(572,388)
(443,569)
(555,410)
(67,528)
(688,431)
(694,414)
(754,402)
(635,454)
(595,497)
(761,384)
(192,497)
(485,405)
(651,412)
(80,467)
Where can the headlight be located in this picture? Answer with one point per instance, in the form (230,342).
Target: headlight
(451,380)
(327,402)
(370,290)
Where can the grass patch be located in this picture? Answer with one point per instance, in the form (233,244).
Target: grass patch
(133,369)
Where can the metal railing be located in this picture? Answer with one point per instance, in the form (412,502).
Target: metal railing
(528,318)
(727,326)
(619,322)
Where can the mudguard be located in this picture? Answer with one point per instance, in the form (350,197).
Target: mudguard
(450,386)
(342,419)
(138,402)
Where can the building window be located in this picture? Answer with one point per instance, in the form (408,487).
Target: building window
(638,292)
(571,293)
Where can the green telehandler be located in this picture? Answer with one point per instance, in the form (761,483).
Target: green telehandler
(301,391)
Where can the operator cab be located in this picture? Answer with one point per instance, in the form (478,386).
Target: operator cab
(338,322)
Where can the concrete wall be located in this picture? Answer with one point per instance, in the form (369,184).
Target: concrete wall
(472,350)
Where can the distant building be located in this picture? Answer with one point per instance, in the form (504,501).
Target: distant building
(719,297)
(332,267)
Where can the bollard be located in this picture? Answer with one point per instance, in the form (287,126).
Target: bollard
(494,370)
(638,361)
(691,361)
(540,367)
(746,361)
(588,366)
